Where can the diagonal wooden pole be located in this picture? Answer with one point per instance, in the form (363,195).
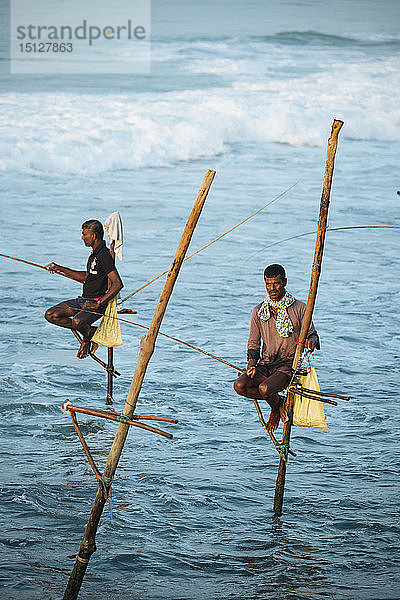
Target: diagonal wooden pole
(88,546)
(315,273)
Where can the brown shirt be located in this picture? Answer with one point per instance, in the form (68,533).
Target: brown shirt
(277,351)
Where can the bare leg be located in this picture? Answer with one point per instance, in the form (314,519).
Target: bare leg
(277,412)
(60,315)
(261,387)
(268,390)
(84,349)
(249,387)
(282,412)
(63,315)
(256,388)
(87,345)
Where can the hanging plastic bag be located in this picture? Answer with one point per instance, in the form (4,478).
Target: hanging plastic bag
(108,332)
(307,412)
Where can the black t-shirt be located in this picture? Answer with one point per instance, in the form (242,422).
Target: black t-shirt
(99,265)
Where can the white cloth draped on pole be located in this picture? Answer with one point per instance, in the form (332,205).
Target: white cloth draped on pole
(113,228)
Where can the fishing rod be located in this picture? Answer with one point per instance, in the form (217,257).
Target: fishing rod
(213,241)
(175,339)
(27,262)
(317,394)
(187,258)
(294,237)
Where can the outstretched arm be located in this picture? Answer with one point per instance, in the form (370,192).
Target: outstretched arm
(71,273)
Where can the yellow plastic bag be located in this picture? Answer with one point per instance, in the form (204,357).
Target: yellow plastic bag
(307,412)
(109,331)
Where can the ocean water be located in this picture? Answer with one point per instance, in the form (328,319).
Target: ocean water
(250,91)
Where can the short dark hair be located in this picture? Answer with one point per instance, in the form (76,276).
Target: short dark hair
(95,227)
(275,271)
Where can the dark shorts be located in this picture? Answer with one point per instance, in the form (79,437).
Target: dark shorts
(276,380)
(88,317)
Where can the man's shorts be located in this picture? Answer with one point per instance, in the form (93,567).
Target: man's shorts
(88,317)
(276,380)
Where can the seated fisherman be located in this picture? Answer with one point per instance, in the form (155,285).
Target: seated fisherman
(277,322)
(101,282)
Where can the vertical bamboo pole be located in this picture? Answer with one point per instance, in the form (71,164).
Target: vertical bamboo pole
(315,273)
(110,355)
(147,345)
(110,366)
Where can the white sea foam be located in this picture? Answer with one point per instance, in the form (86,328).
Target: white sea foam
(267,93)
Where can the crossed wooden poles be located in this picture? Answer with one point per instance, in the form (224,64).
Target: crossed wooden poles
(298,390)
(127,419)
(147,344)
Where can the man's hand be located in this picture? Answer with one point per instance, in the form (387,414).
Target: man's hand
(251,368)
(310,344)
(91,305)
(250,372)
(53,268)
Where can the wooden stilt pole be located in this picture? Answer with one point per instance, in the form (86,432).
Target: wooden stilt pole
(110,366)
(147,345)
(112,416)
(114,373)
(315,273)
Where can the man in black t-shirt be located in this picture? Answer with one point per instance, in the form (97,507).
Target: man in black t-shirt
(101,282)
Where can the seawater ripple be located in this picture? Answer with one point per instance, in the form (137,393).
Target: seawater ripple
(192,517)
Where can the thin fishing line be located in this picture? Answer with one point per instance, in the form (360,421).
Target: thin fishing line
(187,258)
(273,244)
(175,339)
(294,237)
(213,241)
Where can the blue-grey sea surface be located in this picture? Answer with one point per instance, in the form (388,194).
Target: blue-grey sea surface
(251,94)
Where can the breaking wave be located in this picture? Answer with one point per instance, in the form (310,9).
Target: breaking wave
(284,89)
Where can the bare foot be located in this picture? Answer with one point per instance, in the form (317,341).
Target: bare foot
(83,351)
(283,413)
(273,421)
